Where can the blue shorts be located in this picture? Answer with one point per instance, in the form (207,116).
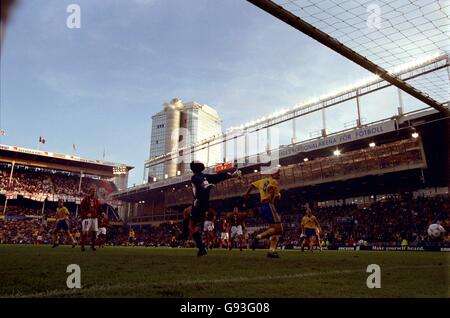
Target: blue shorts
(269,213)
(310,232)
(62,225)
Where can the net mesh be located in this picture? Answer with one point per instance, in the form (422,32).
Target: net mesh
(435,84)
(388,33)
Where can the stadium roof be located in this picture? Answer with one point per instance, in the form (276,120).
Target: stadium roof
(57,161)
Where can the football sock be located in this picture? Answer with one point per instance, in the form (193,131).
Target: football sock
(72,241)
(94,237)
(273,243)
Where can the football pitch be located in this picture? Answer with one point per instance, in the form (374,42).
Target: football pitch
(40,271)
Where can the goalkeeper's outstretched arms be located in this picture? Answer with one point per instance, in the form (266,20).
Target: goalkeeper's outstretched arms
(221,176)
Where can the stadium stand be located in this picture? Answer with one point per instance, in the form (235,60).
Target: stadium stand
(29,176)
(34,182)
(385,222)
(396,156)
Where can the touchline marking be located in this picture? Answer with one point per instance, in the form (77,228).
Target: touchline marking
(58,292)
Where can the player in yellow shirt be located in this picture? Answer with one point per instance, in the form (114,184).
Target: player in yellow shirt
(35,234)
(310,229)
(62,223)
(131,236)
(269,191)
(77,236)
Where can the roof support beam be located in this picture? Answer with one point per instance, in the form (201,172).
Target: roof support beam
(323,38)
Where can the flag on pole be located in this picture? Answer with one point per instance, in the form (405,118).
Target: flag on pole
(41,140)
(74,147)
(2,132)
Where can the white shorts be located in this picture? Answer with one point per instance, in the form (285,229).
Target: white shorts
(208,226)
(224,236)
(90,224)
(101,230)
(236,230)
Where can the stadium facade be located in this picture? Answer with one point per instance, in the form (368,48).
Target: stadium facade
(405,152)
(179,124)
(312,172)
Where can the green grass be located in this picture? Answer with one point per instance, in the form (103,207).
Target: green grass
(40,271)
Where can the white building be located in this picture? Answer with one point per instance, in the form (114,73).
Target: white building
(179,125)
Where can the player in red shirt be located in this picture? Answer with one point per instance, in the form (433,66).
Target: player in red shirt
(237,225)
(208,228)
(225,236)
(103,223)
(185,230)
(89,210)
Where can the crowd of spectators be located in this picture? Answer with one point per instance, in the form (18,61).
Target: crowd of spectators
(26,182)
(14,210)
(20,231)
(27,225)
(30,182)
(387,222)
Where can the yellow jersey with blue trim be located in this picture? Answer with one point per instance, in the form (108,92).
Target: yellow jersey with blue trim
(269,189)
(62,214)
(310,222)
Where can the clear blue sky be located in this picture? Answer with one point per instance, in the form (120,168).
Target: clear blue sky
(98,86)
